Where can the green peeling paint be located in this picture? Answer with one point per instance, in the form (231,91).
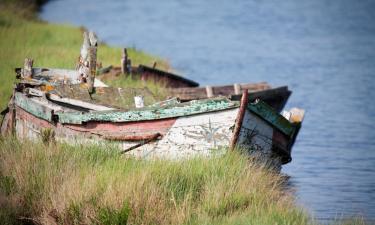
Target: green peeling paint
(32,107)
(184,109)
(270,115)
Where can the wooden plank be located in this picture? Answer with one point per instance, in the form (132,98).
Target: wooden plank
(187,94)
(267,113)
(35,107)
(79,103)
(194,107)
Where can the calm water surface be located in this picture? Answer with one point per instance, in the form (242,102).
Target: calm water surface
(324,50)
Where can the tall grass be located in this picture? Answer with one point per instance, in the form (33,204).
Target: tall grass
(50,45)
(58,183)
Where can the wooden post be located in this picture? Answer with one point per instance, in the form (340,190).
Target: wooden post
(209,92)
(237,89)
(124,61)
(27,71)
(129,66)
(92,61)
(154,65)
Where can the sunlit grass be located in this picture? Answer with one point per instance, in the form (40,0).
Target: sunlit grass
(94,184)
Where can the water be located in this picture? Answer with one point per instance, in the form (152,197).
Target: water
(323,50)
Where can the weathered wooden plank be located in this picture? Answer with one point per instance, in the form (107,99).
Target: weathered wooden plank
(35,107)
(166,78)
(79,103)
(261,109)
(194,107)
(187,94)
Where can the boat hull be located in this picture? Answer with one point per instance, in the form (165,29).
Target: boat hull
(204,134)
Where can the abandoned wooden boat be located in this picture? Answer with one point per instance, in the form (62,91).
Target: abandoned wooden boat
(167,129)
(74,107)
(275,97)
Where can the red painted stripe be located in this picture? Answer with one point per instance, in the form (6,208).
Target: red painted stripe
(125,128)
(26,116)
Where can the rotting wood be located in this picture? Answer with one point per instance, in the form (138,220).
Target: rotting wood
(239,119)
(191,108)
(124,61)
(152,138)
(79,103)
(37,108)
(87,60)
(131,138)
(27,71)
(187,94)
(92,61)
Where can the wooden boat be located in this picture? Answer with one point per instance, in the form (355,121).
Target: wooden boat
(275,97)
(50,101)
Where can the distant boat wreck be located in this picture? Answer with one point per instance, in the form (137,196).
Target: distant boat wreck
(64,105)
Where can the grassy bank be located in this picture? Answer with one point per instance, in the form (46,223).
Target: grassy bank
(94,185)
(50,45)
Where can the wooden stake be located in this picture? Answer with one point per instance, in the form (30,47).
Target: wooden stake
(92,61)
(237,89)
(209,91)
(27,71)
(124,61)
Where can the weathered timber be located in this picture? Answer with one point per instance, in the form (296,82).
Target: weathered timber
(275,97)
(194,107)
(79,103)
(188,94)
(124,62)
(143,142)
(239,120)
(36,107)
(52,76)
(92,61)
(27,71)
(264,111)
(168,79)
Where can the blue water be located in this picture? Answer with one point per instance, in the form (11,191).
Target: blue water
(324,50)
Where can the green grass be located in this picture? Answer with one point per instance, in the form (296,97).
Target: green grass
(50,45)
(93,184)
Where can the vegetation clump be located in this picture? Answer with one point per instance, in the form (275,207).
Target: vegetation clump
(66,184)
